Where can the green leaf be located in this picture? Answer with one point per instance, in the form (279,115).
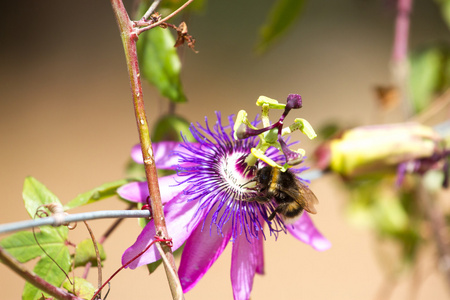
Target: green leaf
(85,252)
(135,170)
(35,194)
(160,64)
(390,216)
(171,5)
(153,266)
(99,193)
(426,72)
(445,10)
(282,16)
(83,288)
(49,271)
(169,127)
(22,245)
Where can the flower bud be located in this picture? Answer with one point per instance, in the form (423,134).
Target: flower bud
(373,149)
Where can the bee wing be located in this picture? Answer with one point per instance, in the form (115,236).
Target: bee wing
(306,198)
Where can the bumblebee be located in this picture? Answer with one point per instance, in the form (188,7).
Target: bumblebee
(290,194)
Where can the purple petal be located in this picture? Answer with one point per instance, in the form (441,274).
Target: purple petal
(138,191)
(136,154)
(259,255)
(246,258)
(201,250)
(179,214)
(305,231)
(163,153)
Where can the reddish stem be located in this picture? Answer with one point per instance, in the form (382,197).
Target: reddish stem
(35,280)
(129,37)
(400,49)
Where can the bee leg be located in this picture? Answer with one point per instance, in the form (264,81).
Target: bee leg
(274,213)
(259,199)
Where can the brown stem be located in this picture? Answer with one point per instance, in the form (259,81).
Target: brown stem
(129,37)
(399,59)
(35,280)
(400,50)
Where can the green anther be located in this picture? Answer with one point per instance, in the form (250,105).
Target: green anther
(273,104)
(240,119)
(260,155)
(270,138)
(265,115)
(302,125)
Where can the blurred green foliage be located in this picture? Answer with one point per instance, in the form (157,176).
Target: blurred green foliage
(430,74)
(393,214)
(281,17)
(160,64)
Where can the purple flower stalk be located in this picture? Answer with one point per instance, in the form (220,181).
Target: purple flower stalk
(205,207)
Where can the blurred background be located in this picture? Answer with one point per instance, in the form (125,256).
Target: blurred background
(66,118)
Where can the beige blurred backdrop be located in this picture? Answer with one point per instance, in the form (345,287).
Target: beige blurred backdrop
(66,118)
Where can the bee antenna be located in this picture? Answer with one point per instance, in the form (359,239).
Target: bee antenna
(251,180)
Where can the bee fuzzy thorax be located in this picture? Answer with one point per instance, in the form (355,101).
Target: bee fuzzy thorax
(291,195)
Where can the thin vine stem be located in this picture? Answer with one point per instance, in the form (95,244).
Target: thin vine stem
(97,255)
(174,13)
(399,58)
(151,10)
(104,214)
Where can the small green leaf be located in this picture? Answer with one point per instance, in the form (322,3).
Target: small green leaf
(22,245)
(282,16)
(85,252)
(171,5)
(160,64)
(49,271)
(35,194)
(445,10)
(153,266)
(390,216)
(99,193)
(83,288)
(135,170)
(170,127)
(426,72)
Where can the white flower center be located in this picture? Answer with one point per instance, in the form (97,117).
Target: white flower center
(228,168)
